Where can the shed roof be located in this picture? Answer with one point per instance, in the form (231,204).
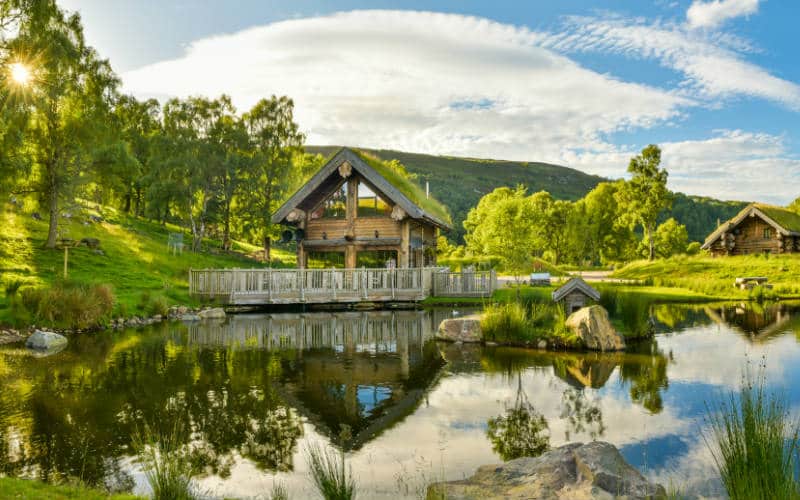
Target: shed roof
(392,184)
(576,284)
(782,219)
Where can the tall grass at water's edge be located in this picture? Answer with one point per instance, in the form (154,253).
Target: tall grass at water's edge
(166,467)
(333,479)
(526,321)
(755,443)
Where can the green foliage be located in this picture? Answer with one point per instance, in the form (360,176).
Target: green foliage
(526,318)
(506,322)
(36,490)
(520,432)
(755,443)
(629,312)
(645,196)
(333,479)
(671,238)
(65,305)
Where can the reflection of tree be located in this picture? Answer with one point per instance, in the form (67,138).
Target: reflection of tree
(581,414)
(271,442)
(521,432)
(647,376)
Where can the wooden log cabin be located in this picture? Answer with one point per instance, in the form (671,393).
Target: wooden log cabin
(359,211)
(757,229)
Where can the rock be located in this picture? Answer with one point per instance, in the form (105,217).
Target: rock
(591,324)
(574,471)
(190,317)
(182,310)
(466,329)
(157,318)
(46,341)
(10,336)
(90,242)
(214,313)
(542,344)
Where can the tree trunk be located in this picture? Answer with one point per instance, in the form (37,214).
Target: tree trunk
(127,207)
(226,232)
(267,248)
(651,242)
(52,232)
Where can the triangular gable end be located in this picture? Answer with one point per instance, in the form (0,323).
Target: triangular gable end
(576,283)
(359,165)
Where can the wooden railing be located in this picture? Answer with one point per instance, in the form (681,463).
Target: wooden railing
(464,284)
(296,286)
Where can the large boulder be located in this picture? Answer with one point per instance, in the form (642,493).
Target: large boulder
(466,329)
(46,341)
(575,471)
(591,324)
(214,313)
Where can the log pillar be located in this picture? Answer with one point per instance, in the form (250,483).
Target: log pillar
(405,243)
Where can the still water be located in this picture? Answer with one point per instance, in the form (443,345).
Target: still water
(256,390)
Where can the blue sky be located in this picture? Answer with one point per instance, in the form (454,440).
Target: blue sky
(585,84)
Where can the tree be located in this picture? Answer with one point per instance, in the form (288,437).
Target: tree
(671,238)
(70,95)
(795,205)
(644,196)
(503,225)
(275,139)
(607,238)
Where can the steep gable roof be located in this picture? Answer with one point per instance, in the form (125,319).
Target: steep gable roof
(397,189)
(576,284)
(782,219)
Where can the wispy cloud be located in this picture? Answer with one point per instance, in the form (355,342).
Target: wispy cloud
(709,14)
(713,64)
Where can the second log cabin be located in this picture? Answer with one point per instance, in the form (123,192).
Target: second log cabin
(757,229)
(359,211)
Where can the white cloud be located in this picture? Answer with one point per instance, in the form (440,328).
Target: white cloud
(713,65)
(715,12)
(731,164)
(417,81)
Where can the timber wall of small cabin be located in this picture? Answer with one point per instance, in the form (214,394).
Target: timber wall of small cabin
(364,227)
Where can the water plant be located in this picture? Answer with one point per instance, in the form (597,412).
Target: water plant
(333,479)
(506,322)
(755,443)
(165,463)
(65,304)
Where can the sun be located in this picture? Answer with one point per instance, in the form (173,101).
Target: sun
(20,73)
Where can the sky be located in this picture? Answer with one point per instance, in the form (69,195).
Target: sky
(583,84)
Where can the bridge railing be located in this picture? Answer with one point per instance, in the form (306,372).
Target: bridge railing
(333,285)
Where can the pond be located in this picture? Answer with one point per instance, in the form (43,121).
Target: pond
(256,390)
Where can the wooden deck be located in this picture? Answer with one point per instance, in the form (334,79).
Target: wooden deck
(333,286)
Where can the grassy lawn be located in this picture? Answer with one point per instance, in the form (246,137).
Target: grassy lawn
(11,488)
(714,277)
(135,260)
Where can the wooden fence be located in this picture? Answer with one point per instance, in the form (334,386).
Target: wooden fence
(297,286)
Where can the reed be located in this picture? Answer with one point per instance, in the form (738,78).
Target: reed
(166,466)
(333,479)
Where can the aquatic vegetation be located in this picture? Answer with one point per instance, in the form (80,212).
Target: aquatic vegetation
(755,443)
(166,465)
(65,305)
(333,479)
(506,322)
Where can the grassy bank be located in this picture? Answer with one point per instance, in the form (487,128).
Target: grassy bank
(714,277)
(11,488)
(134,258)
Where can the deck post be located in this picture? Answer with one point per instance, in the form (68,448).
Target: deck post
(301,276)
(333,283)
(269,284)
(364,291)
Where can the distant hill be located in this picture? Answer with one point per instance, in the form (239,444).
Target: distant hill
(460,182)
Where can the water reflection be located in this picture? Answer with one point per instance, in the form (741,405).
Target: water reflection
(253,390)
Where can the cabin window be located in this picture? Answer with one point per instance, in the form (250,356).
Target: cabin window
(370,204)
(767,233)
(325,260)
(377,258)
(335,207)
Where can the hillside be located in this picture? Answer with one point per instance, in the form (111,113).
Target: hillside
(460,182)
(133,256)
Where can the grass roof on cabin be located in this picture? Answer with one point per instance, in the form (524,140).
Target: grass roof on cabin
(397,176)
(786,218)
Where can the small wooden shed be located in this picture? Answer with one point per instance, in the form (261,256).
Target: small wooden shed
(574,294)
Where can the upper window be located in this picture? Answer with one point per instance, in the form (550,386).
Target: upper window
(767,233)
(370,204)
(335,207)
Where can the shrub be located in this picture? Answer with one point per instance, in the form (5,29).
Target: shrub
(12,287)
(159,305)
(755,444)
(66,305)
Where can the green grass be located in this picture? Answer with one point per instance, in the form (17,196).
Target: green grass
(12,488)
(333,479)
(135,261)
(714,277)
(755,444)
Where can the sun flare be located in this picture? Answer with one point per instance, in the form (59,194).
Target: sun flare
(20,73)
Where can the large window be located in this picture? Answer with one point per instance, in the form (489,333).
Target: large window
(767,233)
(376,258)
(370,204)
(325,260)
(335,207)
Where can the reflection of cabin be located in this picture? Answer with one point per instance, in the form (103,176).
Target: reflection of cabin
(575,294)
(358,212)
(758,228)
